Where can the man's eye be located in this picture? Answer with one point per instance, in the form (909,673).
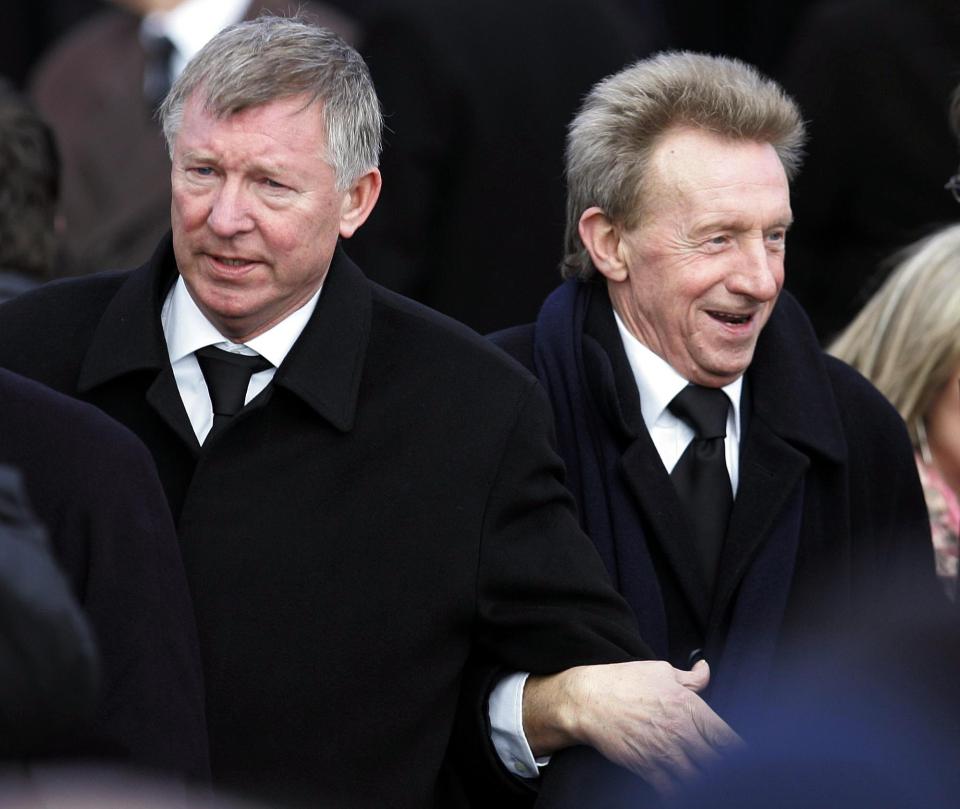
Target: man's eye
(272,183)
(718,241)
(202,171)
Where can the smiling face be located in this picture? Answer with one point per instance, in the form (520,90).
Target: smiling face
(256,213)
(703,269)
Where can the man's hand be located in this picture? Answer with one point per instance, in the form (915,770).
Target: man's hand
(645,716)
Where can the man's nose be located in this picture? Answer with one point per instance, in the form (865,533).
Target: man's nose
(230,211)
(758,274)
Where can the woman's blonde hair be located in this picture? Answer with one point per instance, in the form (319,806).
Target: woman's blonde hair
(906,340)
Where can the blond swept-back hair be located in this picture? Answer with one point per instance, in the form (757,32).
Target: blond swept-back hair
(906,340)
(623,118)
(270,58)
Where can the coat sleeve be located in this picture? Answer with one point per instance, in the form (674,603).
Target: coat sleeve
(545,602)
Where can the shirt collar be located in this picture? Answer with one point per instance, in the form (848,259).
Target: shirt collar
(657,381)
(191,24)
(185,328)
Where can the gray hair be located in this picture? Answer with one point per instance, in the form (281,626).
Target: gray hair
(612,138)
(272,58)
(906,340)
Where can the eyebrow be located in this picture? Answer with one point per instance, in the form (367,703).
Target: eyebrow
(256,167)
(737,223)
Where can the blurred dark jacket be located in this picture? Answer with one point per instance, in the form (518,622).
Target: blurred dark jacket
(48,658)
(94,487)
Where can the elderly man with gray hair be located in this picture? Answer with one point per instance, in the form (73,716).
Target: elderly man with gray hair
(746,492)
(366,494)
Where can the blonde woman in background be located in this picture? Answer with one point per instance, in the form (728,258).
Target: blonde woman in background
(906,340)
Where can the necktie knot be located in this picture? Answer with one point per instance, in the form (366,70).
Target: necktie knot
(704,409)
(227,376)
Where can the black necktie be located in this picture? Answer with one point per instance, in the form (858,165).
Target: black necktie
(227,376)
(700,476)
(157,53)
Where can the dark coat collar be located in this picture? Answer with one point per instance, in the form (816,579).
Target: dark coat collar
(323,368)
(790,388)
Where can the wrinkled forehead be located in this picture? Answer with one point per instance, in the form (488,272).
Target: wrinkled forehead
(689,164)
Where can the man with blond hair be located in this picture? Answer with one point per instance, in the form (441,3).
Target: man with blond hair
(745,491)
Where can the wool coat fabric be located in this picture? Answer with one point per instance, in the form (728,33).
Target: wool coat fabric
(389,507)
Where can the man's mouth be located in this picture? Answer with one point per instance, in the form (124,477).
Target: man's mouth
(230,261)
(730,318)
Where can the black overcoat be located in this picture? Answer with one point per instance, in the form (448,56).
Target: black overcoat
(93,487)
(390,505)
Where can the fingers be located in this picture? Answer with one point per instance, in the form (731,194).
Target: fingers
(714,731)
(664,762)
(696,679)
(717,733)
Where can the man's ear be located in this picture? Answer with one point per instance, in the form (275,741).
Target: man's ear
(358,202)
(601,237)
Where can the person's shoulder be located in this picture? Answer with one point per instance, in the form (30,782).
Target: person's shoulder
(856,396)
(72,454)
(45,326)
(423,334)
(873,427)
(517,341)
(63,291)
(34,412)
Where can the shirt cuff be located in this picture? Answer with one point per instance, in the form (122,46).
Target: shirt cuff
(505,709)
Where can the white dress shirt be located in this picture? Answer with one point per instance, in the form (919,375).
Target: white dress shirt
(190,25)
(657,384)
(185,329)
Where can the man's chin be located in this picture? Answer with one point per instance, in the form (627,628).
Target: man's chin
(720,372)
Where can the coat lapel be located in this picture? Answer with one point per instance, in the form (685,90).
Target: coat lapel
(793,416)
(646,478)
(770,471)
(649,483)
(325,366)
(129,340)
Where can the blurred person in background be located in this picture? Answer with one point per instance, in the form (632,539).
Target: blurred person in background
(906,340)
(477,98)
(27,30)
(29,188)
(873,78)
(99,89)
